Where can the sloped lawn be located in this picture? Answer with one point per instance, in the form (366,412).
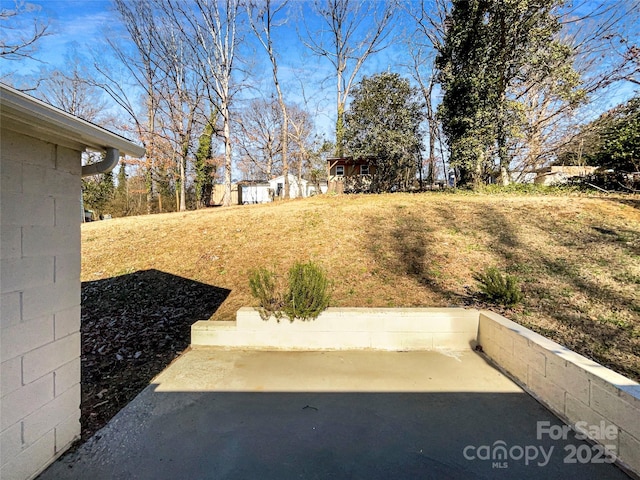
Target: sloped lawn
(578,258)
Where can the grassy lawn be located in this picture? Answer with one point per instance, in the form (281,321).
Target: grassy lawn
(578,257)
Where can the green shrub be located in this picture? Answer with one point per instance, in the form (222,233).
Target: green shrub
(498,288)
(306,296)
(265,286)
(308,293)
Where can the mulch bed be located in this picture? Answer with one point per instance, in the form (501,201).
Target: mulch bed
(133,326)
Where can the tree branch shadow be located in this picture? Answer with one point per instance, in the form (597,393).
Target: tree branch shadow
(593,317)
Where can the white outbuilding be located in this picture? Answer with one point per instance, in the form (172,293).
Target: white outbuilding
(297,188)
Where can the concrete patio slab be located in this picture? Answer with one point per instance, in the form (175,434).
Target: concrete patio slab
(232,414)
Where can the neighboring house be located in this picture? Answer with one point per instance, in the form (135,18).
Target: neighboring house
(561,174)
(349,174)
(296,189)
(247,192)
(40,172)
(301,189)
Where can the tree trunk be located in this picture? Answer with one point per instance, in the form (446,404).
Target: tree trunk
(433,131)
(285,136)
(340,115)
(226,202)
(149,186)
(340,131)
(183,178)
(183,163)
(503,154)
(151,112)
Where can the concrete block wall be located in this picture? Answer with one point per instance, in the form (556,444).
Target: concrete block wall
(576,389)
(39,303)
(346,328)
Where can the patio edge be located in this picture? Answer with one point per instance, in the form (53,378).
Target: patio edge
(584,394)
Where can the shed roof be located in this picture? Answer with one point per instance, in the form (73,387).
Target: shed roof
(26,114)
(351,160)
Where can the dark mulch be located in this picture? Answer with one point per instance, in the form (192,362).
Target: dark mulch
(133,326)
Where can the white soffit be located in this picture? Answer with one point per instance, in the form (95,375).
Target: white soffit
(33,116)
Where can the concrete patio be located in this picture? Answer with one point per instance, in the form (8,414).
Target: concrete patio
(239,414)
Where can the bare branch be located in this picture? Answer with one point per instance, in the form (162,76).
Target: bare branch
(262,21)
(21,28)
(346,42)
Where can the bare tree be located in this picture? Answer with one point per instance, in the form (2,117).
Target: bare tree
(181,95)
(258,136)
(72,93)
(20,29)
(604,36)
(304,141)
(143,68)
(429,29)
(183,53)
(210,30)
(262,18)
(591,56)
(352,31)
(593,51)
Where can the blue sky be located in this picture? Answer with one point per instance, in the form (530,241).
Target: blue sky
(78,21)
(83,25)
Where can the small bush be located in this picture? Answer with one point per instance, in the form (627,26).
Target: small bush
(306,296)
(308,293)
(265,286)
(498,288)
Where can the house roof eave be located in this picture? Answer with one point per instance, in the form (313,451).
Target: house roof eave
(35,117)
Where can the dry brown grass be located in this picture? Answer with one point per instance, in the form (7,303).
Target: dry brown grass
(578,257)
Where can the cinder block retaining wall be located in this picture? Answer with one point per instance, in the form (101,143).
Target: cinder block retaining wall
(346,329)
(575,388)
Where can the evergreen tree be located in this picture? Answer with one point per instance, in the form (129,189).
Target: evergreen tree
(611,141)
(97,192)
(120,204)
(466,106)
(121,189)
(620,148)
(383,124)
(490,47)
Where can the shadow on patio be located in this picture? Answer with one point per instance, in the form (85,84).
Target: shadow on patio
(221,414)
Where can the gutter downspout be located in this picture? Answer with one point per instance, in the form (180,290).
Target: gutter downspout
(111,159)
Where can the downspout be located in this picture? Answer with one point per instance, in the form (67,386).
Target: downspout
(111,159)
